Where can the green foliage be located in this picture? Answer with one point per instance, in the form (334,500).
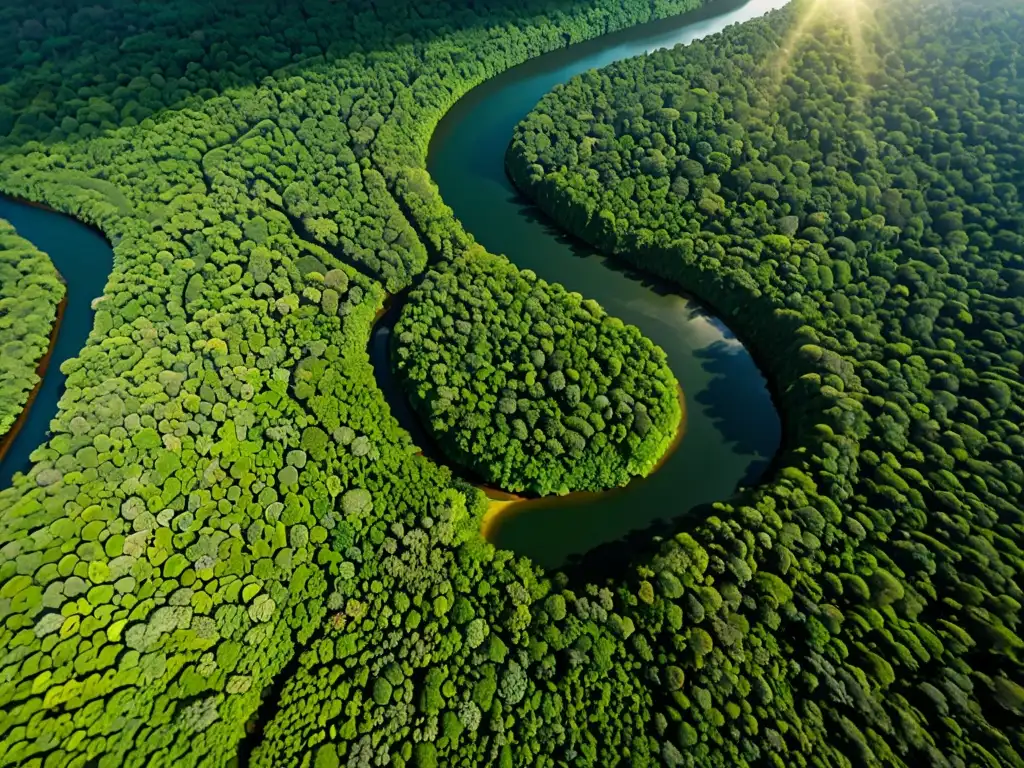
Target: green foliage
(326,757)
(225,491)
(381,691)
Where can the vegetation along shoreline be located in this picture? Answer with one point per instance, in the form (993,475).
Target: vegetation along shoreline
(41,367)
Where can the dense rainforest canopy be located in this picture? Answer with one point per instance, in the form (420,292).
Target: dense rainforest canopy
(848,191)
(227,526)
(228,550)
(30,292)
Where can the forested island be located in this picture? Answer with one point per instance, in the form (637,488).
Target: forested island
(534,387)
(229,553)
(31,294)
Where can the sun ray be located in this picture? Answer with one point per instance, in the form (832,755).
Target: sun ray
(781,64)
(820,17)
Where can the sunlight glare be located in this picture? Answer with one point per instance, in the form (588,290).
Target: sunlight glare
(813,18)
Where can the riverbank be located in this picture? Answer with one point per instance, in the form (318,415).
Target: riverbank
(502,504)
(18,200)
(692,292)
(382,362)
(44,363)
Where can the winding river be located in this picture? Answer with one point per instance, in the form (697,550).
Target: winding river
(732,429)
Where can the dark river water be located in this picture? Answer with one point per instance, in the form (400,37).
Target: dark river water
(732,428)
(84,258)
